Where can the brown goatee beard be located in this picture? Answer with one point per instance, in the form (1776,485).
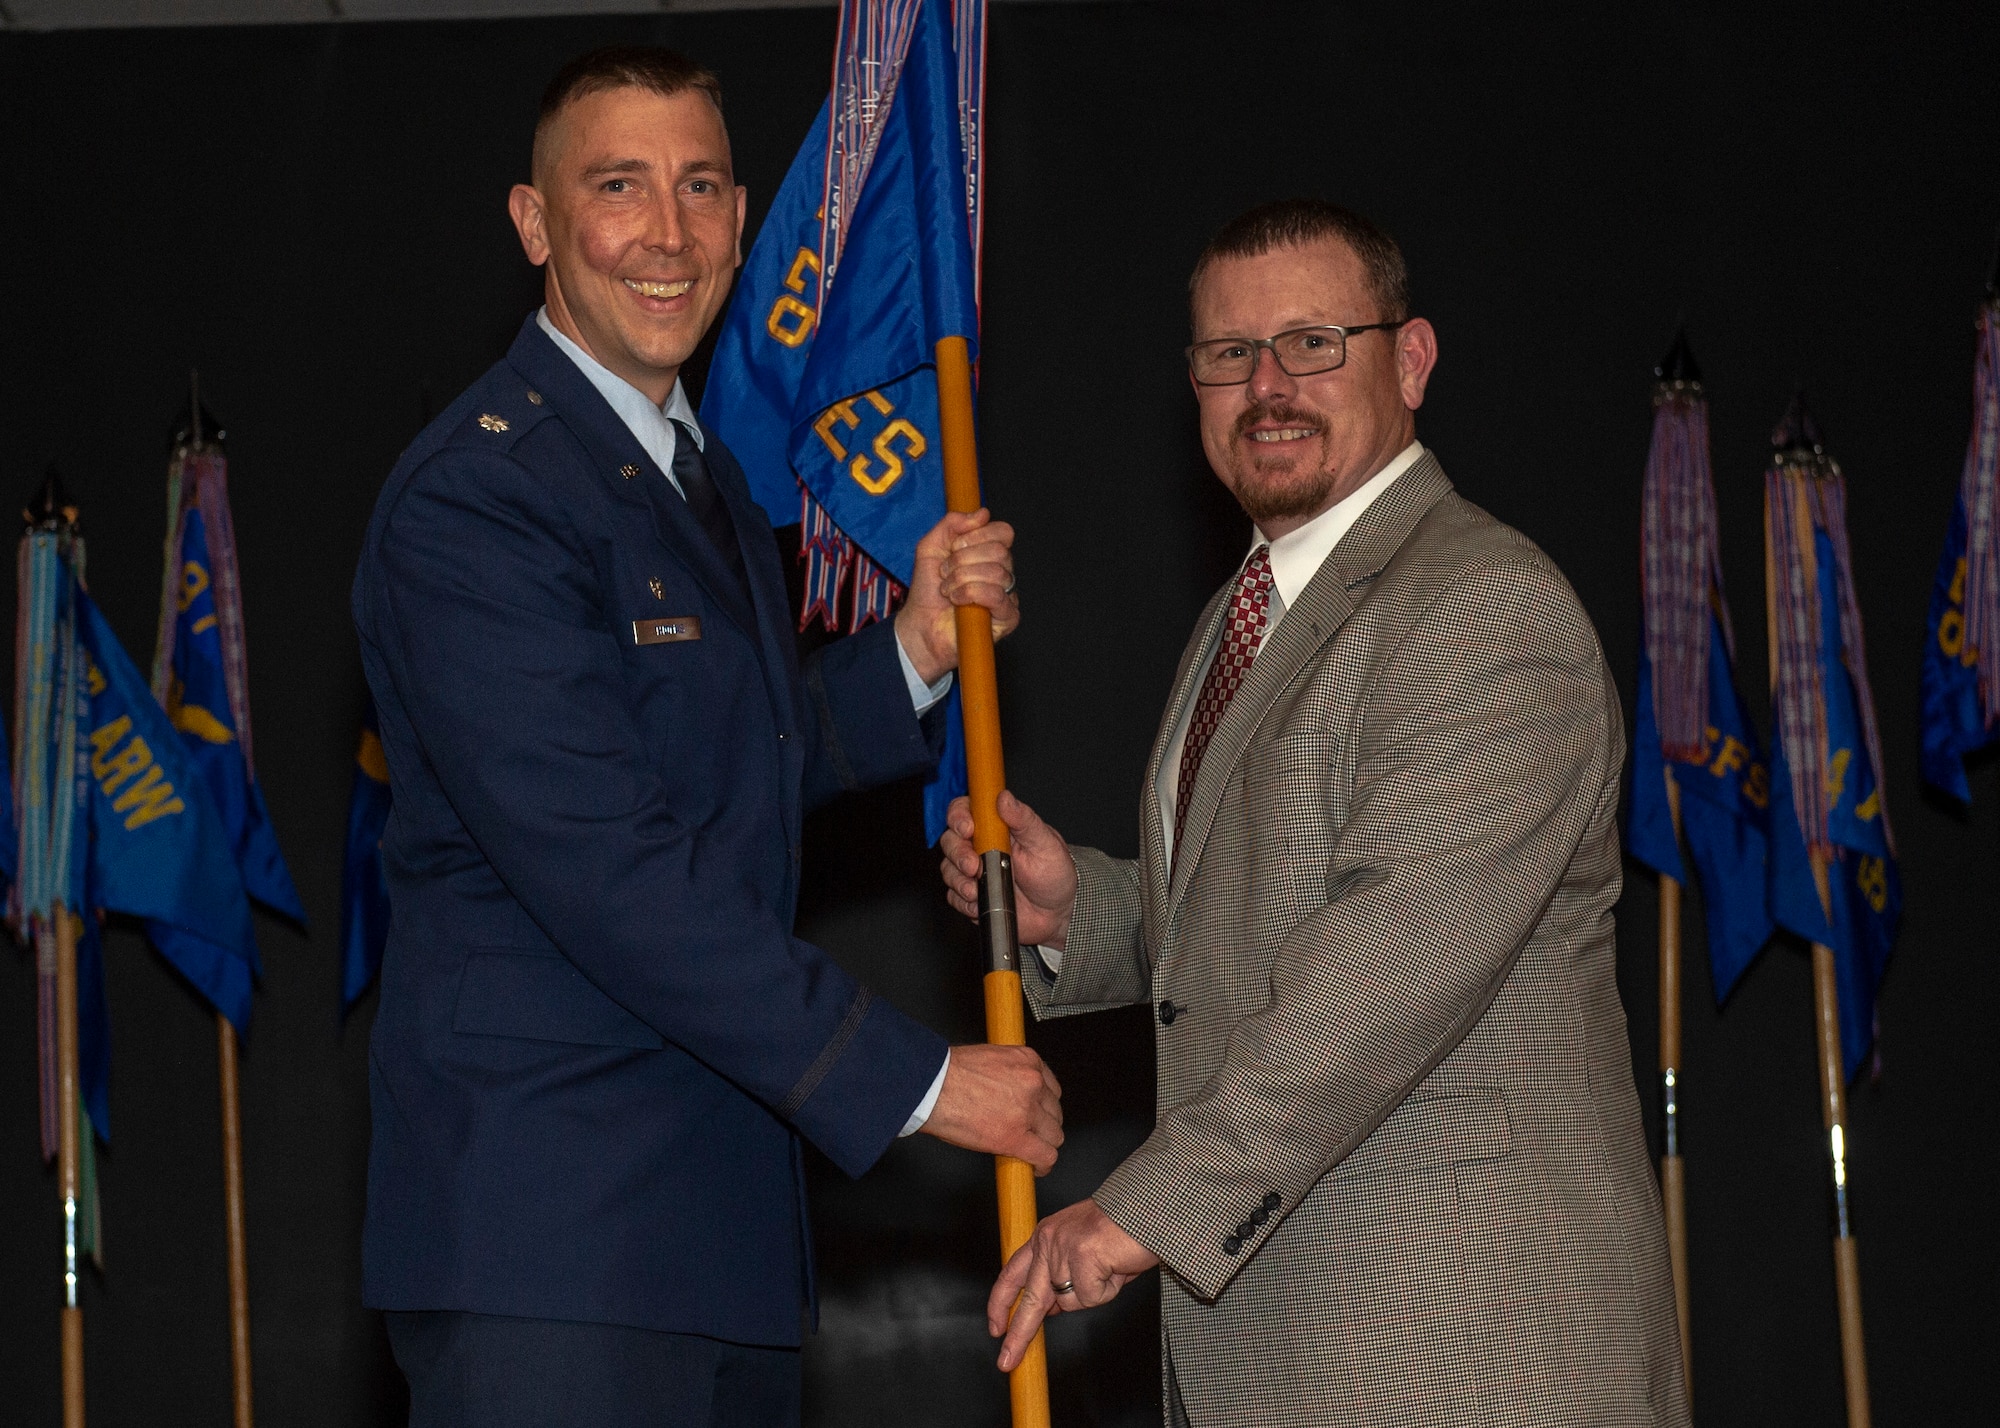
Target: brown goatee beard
(1295,480)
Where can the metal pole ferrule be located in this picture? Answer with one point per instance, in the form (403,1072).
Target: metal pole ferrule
(1670,1102)
(996,912)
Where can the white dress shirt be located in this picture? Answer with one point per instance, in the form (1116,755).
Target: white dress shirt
(1295,559)
(653,428)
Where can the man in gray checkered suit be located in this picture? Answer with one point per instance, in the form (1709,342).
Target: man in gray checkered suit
(1398,1174)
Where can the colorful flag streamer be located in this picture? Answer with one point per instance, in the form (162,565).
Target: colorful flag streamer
(1961,667)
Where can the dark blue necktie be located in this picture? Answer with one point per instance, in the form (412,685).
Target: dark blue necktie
(691,471)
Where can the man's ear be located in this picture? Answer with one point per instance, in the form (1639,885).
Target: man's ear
(1416,356)
(524,206)
(742,208)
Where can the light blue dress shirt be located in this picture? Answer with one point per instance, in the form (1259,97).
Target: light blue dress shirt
(653,428)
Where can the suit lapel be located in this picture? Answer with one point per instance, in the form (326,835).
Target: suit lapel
(1329,598)
(1152,824)
(614,451)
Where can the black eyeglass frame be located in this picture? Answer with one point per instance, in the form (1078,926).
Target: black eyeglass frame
(1272,342)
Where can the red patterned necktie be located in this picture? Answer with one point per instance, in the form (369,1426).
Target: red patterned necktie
(1249,617)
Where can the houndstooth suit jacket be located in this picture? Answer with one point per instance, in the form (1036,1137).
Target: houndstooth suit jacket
(1398,1174)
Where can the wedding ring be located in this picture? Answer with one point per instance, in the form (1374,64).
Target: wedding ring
(1068,1286)
(1008,588)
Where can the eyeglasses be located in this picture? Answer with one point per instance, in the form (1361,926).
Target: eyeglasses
(1301,352)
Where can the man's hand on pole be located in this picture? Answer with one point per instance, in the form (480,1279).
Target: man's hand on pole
(962,560)
(1002,1100)
(1077,1259)
(1044,873)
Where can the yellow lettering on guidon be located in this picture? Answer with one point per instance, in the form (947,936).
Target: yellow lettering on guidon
(121,762)
(791,321)
(1871,876)
(913,447)
(1951,624)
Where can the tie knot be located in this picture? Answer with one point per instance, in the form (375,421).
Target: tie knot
(1257,572)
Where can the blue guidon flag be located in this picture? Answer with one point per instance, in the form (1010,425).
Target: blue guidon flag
(824,382)
(1834,879)
(1961,669)
(201,668)
(364,891)
(1692,733)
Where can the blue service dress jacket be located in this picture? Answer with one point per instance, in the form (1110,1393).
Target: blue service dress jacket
(598,1041)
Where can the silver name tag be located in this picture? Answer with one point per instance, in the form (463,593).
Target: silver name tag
(665,632)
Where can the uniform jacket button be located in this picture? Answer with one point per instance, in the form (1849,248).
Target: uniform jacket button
(1231,1245)
(1168,1011)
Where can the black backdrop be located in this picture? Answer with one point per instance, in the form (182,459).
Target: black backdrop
(313,216)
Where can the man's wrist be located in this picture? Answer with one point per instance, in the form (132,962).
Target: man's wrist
(916,651)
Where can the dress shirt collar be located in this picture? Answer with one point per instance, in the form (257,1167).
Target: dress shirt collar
(633,406)
(1297,557)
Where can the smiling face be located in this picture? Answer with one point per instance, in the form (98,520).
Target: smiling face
(1290,447)
(638,222)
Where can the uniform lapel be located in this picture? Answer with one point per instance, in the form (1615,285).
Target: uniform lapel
(614,451)
(1321,609)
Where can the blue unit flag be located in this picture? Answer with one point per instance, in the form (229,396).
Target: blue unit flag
(199,705)
(158,848)
(1725,815)
(824,375)
(1862,905)
(364,892)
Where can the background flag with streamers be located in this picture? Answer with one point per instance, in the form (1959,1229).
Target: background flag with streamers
(364,893)
(1961,669)
(1834,879)
(823,381)
(201,663)
(1691,727)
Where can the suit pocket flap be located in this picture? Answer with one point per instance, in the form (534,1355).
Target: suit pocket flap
(542,999)
(1430,1133)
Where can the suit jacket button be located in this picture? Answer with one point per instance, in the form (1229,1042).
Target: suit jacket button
(1231,1245)
(1260,1217)
(1168,1011)
(1273,1200)
(1247,1230)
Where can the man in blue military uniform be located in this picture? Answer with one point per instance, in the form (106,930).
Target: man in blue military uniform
(599,1043)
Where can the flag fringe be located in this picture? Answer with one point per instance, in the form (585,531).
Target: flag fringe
(1979,491)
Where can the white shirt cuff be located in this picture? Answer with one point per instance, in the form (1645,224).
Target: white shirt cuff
(929,1103)
(922,696)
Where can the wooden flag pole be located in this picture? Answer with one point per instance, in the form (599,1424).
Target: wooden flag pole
(1832,1083)
(1673,1178)
(227,1046)
(1833,1109)
(232,1211)
(986,776)
(68,1151)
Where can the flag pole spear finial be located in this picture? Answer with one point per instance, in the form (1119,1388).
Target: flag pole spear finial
(1678,367)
